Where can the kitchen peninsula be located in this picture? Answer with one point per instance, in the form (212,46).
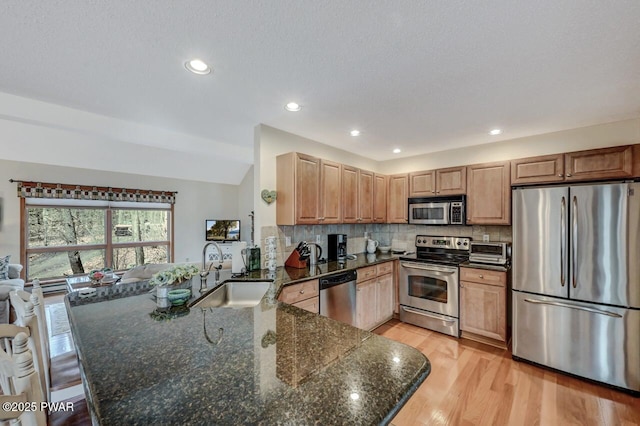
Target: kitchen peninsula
(271,364)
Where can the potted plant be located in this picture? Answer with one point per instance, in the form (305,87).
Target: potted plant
(177,277)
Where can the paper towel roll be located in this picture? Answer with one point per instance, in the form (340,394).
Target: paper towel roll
(237,257)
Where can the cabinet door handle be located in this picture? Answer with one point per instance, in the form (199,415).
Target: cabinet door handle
(301,291)
(559,174)
(481,276)
(568,174)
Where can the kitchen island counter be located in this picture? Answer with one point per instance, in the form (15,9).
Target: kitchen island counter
(271,364)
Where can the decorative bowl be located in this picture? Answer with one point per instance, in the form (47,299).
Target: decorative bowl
(384,249)
(179,296)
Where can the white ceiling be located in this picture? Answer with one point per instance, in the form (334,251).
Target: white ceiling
(421,75)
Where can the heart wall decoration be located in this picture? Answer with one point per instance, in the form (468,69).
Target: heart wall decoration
(268,196)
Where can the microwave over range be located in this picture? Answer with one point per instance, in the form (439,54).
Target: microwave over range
(437,210)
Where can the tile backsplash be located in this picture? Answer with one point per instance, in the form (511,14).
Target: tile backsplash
(383,233)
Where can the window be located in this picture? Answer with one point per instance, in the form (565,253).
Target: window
(71,237)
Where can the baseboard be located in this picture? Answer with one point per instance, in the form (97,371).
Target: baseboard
(482,339)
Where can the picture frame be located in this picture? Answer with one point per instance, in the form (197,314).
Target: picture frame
(222,230)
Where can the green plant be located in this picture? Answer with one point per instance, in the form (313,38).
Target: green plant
(174,275)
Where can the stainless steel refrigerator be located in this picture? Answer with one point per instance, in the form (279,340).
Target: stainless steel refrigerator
(576,280)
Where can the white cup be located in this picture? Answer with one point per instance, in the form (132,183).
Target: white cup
(270,241)
(270,255)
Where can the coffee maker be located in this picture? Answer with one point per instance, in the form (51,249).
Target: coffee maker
(337,247)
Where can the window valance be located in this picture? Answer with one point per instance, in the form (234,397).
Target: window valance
(84,192)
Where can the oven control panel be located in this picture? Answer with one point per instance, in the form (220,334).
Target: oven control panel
(452,243)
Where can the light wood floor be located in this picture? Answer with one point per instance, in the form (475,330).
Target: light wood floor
(474,384)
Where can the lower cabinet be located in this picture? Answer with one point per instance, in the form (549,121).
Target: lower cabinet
(304,295)
(483,306)
(375,298)
(366,304)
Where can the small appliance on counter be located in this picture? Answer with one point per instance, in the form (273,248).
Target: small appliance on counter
(337,247)
(491,253)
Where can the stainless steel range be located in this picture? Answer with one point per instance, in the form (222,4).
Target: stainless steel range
(429,283)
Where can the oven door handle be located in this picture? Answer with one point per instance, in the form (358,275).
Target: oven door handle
(432,316)
(425,267)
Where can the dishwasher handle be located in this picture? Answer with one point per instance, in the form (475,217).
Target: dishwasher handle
(338,279)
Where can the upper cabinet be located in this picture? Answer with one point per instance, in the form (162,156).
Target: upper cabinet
(380,188)
(330,192)
(309,190)
(595,164)
(398,194)
(450,181)
(488,194)
(422,184)
(604,163)
(547,168)
(357,195)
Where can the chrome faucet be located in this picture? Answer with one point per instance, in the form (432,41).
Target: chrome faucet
(204,273)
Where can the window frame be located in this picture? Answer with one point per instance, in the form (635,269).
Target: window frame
(108,246)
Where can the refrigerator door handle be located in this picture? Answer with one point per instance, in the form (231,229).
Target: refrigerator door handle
(563,240)
(567,305)
(574,236)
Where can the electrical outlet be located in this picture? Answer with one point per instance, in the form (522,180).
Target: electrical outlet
(287,241)
(485,237)
(186,259)
(318,240)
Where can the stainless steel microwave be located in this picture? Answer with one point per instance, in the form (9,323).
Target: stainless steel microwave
(437,210)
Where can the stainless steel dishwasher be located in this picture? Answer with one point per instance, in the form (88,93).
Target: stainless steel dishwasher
(338,296)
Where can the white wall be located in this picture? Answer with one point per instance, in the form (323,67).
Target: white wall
(45,133)
(268,144)
(611,134)
(245,205)
(195,202)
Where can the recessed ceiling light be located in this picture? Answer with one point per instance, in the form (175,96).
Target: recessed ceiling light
(355,396)
(197,66)
(355,133)
(495,132)
(397,151)
(292,106)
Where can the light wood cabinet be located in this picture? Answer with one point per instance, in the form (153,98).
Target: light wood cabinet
(384,298)
(428,183)
(366,304)
(483,306)
(594,164)
(422,184)
(606,163)
(305,295)
(375,295)
(380,188)
(365,196)
(330,192)
(543,169)
(357,195)
(398,194)
(451,181)
(489,194)
(349,194)
(309,190)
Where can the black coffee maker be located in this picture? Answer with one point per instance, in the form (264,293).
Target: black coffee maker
(337,247)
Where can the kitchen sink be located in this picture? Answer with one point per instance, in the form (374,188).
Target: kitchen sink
(234,294)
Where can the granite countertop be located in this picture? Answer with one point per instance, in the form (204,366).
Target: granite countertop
(270,364)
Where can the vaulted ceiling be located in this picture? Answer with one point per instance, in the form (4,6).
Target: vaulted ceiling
(422,76)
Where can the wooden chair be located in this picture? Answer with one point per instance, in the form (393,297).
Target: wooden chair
(32,317)
(19,379)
